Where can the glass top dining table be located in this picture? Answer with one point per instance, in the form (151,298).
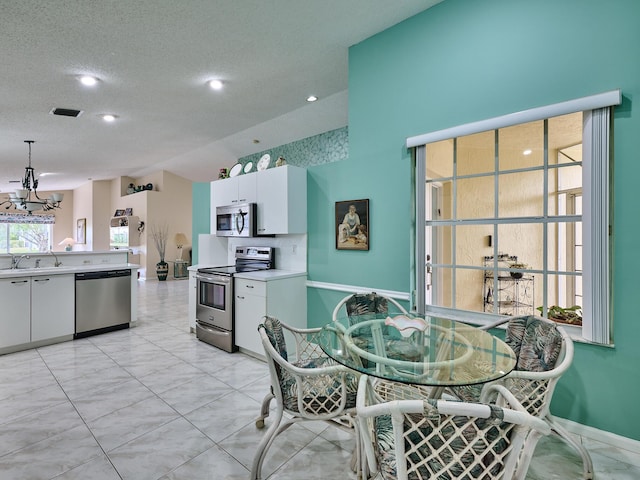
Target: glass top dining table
(417,349)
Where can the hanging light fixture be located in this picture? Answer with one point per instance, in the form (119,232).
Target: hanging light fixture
(22,199)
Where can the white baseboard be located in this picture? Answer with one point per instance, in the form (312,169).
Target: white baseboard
(609,438)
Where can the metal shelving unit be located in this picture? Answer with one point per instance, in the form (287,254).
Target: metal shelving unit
(514,292)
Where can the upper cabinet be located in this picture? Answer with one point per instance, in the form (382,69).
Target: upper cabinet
(280,194)
(229,191)
(282,200)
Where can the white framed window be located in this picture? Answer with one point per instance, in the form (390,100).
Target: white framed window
(21,233)
(512,216)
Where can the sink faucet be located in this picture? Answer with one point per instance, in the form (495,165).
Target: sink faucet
(37,263)
(57,263)
(16,263)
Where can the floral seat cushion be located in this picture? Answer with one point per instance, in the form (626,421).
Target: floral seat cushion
(321,394)
(367,304)
(535,342)
(372,306)
(537,345)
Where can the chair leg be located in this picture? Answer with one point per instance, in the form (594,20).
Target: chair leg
(587,464)
(264,410)
(265,443)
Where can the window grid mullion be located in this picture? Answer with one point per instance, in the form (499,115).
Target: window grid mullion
(455,217)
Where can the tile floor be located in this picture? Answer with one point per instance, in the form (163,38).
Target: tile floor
(152,402)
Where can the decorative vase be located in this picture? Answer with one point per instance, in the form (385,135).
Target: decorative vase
(162,270)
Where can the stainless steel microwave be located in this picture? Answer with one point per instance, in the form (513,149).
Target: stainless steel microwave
(236,220)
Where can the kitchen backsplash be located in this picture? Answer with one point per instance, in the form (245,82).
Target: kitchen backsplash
(291,250)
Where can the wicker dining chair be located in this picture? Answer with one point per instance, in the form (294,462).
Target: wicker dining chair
(544,351)
(306,384)
(428,438)
(370,306)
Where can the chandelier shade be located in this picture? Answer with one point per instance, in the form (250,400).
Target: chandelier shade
(26,198)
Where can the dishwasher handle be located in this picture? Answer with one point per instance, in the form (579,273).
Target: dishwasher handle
(103,274)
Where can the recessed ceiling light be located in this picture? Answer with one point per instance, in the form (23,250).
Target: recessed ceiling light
(527,152)
(107,117)
(215,84)
(312,98)
(88,80)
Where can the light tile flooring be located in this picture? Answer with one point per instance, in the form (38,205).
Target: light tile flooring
(152,402)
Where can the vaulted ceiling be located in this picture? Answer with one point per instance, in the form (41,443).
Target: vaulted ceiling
(153,59)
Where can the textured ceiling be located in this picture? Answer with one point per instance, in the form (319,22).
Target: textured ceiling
(153,58)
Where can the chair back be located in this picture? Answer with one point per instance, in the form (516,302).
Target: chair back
(544,352)
(309,385)
(372,304)
(424,439)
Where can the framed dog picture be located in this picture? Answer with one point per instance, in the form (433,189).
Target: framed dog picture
(352,225)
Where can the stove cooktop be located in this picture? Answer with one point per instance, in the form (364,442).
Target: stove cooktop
(230,269)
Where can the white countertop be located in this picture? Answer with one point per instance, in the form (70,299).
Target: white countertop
(261,275)
(273,274)
(62,269)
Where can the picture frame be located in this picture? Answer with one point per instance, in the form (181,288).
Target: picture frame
(128,211)
(81,231)
(119,213)
(353,230)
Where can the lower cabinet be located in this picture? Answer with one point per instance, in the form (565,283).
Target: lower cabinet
(15,321)
(36,308)
(52,306)
(285,299)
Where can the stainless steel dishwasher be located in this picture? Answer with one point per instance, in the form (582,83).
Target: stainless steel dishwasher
(103,301)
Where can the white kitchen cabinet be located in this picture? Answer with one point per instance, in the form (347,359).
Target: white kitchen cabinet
(285,299)
(15,321)
(52,306)
(250,308)
(282,200)
(229,191)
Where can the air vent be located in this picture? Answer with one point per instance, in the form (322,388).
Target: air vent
(66,112)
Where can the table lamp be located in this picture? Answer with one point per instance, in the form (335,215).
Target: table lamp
(181,240)
(69,242)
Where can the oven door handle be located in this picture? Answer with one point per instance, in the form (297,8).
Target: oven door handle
(207,278)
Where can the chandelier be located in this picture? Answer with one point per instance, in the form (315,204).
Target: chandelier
(27,197)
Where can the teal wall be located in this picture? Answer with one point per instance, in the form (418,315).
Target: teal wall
(462,61)
(458,62)
(201,218)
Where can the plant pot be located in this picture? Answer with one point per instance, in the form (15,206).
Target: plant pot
(516,274)
(577,321)
(162,270)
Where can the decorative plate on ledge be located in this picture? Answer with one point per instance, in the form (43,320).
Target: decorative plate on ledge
(264,162)
(248,166)
(235,170)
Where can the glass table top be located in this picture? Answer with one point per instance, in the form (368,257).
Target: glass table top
(417,349)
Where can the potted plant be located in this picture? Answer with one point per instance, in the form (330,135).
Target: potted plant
(519,266)
(160,234)
(569,315)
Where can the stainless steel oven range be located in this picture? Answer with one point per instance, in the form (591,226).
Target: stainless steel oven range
(214,310)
